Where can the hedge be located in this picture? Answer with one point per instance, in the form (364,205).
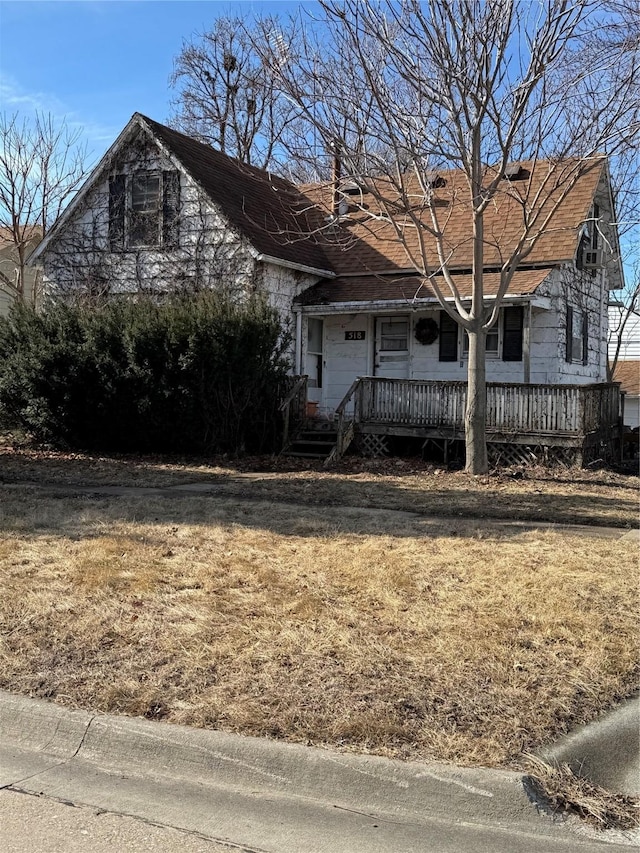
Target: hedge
(190,375)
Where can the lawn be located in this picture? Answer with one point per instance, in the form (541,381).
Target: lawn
(598,497)
(329,625)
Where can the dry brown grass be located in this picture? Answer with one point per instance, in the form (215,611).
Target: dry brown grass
(562,496)
(333,626)
(560,790)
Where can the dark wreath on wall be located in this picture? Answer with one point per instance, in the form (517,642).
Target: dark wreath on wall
(426,331)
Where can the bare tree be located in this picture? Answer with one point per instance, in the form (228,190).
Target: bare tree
(618,38)
(42,164)
(406,89)
(226,95)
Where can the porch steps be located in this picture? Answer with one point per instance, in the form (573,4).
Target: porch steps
(313,442)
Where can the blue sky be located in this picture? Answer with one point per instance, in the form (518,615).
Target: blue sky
(96,62)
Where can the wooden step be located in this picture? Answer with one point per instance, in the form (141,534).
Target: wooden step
(298,454)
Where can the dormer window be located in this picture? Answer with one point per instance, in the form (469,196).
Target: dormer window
(144,210)
(589,252)
(516,172)
(435,181)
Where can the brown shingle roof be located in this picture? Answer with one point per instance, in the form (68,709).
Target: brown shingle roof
(270,211)
(368,288)
(31,234)
(628,374)
(290,222)
(370,245)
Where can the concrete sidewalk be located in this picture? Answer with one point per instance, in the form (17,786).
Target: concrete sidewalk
(607,751)
(270,797)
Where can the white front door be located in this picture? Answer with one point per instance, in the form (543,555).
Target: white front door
(391,355)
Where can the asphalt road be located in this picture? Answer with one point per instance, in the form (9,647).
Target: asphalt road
(37,824)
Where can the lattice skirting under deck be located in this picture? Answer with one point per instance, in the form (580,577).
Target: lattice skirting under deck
(373,445)
(532,454)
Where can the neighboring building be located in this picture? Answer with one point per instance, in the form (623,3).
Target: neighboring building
(10,270)
(162,211)
(624,325)
(627,373)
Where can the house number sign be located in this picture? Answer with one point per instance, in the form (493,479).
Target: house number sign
(354,336)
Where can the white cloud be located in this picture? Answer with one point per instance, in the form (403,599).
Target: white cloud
(15,99)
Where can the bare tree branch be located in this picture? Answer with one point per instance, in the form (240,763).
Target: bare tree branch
(409,88)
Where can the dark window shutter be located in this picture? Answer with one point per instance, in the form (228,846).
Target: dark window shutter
(448,338)
(569,334)
(512,334)
(117,205)
(171,209)
(585,338)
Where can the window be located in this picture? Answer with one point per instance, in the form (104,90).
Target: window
(512,326)
(144,217)
(448,347)
(394,335)
(143,210)
(589,255)
(492,346)
(504,340)
(577,336)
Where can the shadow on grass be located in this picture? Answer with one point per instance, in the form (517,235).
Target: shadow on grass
(604,499)
(63,511)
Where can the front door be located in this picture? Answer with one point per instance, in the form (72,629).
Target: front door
(391,356)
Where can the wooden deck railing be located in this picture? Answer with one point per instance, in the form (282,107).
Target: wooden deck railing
(293,406)
(511,408)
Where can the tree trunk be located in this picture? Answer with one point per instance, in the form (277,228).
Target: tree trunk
(476,412)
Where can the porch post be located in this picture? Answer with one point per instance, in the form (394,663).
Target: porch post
(298,361)
(526,344)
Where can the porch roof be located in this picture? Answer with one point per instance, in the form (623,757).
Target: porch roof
(412,288)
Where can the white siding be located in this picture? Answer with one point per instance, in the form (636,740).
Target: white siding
(632,411)
(345,360)
(584,292)
(210,253)
(630,335)
(10,268)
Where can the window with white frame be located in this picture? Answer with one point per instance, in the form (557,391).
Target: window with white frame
(394,335)
(492,346)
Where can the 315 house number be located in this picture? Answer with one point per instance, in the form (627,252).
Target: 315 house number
(354,336)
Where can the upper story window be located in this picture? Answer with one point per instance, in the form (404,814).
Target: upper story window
(145,213)
(589,255)
(144,210)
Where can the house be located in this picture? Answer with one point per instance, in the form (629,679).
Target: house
(11,269)
(624,332)
(162,211)
(627,373)
(624,353)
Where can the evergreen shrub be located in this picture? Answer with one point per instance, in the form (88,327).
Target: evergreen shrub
(190,375)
